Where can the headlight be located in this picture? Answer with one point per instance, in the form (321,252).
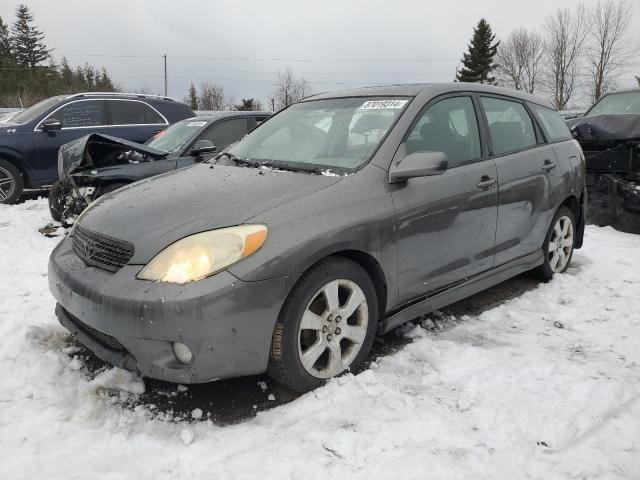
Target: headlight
(203,254)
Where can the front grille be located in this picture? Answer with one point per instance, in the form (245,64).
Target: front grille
(101,251)
(106,340)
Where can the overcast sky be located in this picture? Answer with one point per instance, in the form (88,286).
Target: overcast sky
(343,42)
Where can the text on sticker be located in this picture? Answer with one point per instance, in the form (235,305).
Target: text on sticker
(383,104)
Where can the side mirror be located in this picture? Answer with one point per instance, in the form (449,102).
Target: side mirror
(203,146)
(418,164)
(51,124)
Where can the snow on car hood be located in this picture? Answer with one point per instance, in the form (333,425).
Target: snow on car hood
(156,212)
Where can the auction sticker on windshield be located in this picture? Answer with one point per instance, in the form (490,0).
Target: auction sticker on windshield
(383,104)
(196,124)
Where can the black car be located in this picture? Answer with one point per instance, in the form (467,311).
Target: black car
(97,164)
(609,134)
(30,141)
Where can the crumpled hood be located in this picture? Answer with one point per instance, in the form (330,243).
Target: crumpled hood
(606,127)
(154,213)
(75,154)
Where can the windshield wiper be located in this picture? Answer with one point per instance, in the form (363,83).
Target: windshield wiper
(233,158)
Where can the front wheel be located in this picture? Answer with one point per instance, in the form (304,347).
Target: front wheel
(326,326)
(558,245)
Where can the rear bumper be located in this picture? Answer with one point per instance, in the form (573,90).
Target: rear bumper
(130,323)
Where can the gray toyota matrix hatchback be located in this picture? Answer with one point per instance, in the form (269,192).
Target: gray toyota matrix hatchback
(344,215)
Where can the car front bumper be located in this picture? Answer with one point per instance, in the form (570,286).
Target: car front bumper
(226,323)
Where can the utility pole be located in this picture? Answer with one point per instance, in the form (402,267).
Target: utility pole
(165,74)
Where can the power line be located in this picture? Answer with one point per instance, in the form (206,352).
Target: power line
(272,59)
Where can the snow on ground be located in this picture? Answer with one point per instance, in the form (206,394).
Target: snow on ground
(546,385)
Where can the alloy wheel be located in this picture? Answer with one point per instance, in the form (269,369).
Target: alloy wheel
(561,244)
(333,328)
(7,184)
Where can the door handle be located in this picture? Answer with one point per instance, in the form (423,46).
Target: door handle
(486,182)
(548,165)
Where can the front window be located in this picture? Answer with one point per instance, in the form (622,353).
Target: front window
(36,111)
(617,103)
(83,113)
(338,133)
(177,135)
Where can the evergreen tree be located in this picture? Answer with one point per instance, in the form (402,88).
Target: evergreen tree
(478,61)
(6,56)
(192,97)
(246,104)
(27,41)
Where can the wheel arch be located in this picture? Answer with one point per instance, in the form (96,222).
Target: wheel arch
(370,265)
(18,162)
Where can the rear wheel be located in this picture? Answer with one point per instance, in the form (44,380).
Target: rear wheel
(11,183)
(326,326)
(558,245)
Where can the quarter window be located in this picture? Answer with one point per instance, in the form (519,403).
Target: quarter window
(450,126)
(224,134)
(87,113)
(554,127)
(510,125)
(124,112)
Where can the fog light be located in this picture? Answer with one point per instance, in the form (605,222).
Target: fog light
(182,352)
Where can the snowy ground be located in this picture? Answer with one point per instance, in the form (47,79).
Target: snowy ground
(545,385)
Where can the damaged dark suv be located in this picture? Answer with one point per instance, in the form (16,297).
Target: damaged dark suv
(609,134)
(344,215)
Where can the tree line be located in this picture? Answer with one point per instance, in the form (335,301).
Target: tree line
(580,50)
(210,96)
(28,72)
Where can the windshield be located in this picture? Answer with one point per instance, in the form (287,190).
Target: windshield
(177,135)
(337,133)
(37,110)
(627,102)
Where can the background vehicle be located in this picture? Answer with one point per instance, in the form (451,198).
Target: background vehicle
(97,164)
(609,134)
(377,206)
(30,141)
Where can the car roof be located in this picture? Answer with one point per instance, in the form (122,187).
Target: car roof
(103,95)
(429,89)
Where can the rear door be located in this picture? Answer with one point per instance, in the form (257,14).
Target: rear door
(77,118)
(526,170)
(446,224)
(133,120)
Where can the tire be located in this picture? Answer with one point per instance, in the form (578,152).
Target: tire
(557,260)
(302,359)
(11,183)
(57,196)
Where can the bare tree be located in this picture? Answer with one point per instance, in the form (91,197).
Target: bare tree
(608,52)
(566,31)
(289,90)
(211,97)
(519,59)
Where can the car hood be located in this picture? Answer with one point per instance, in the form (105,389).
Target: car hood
(606,127)
(96,150)
(154,213)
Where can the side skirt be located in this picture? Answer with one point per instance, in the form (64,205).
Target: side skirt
(459,291)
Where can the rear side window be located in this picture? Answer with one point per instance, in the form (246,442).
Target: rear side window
(126,112)
(510,125)
(449,126)
(87,113)
(554,127)
(224,134)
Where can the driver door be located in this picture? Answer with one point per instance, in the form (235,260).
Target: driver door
(446,224)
